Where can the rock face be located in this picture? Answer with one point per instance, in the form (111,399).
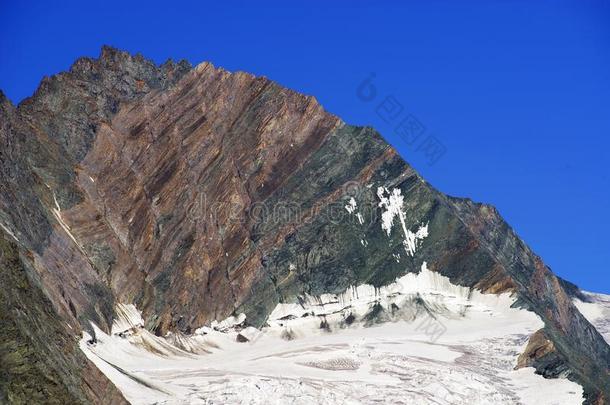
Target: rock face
(41,361)
(196,194)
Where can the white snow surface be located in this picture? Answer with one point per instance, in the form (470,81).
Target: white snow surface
(597,311)
(421,340)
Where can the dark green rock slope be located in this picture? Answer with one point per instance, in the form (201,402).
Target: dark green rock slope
(40,358)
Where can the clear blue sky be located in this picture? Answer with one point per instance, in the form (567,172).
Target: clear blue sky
(517,91)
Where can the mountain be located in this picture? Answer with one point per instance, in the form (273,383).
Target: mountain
(142,204)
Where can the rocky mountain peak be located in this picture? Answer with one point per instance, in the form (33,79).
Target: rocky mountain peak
(198,194)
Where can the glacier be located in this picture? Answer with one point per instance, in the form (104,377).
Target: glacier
(308,352)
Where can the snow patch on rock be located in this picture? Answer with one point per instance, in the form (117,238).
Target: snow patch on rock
(7,230)
(393,202)
(597,311)
(351,206)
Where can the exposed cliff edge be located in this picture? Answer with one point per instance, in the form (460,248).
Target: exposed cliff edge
(197,194)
